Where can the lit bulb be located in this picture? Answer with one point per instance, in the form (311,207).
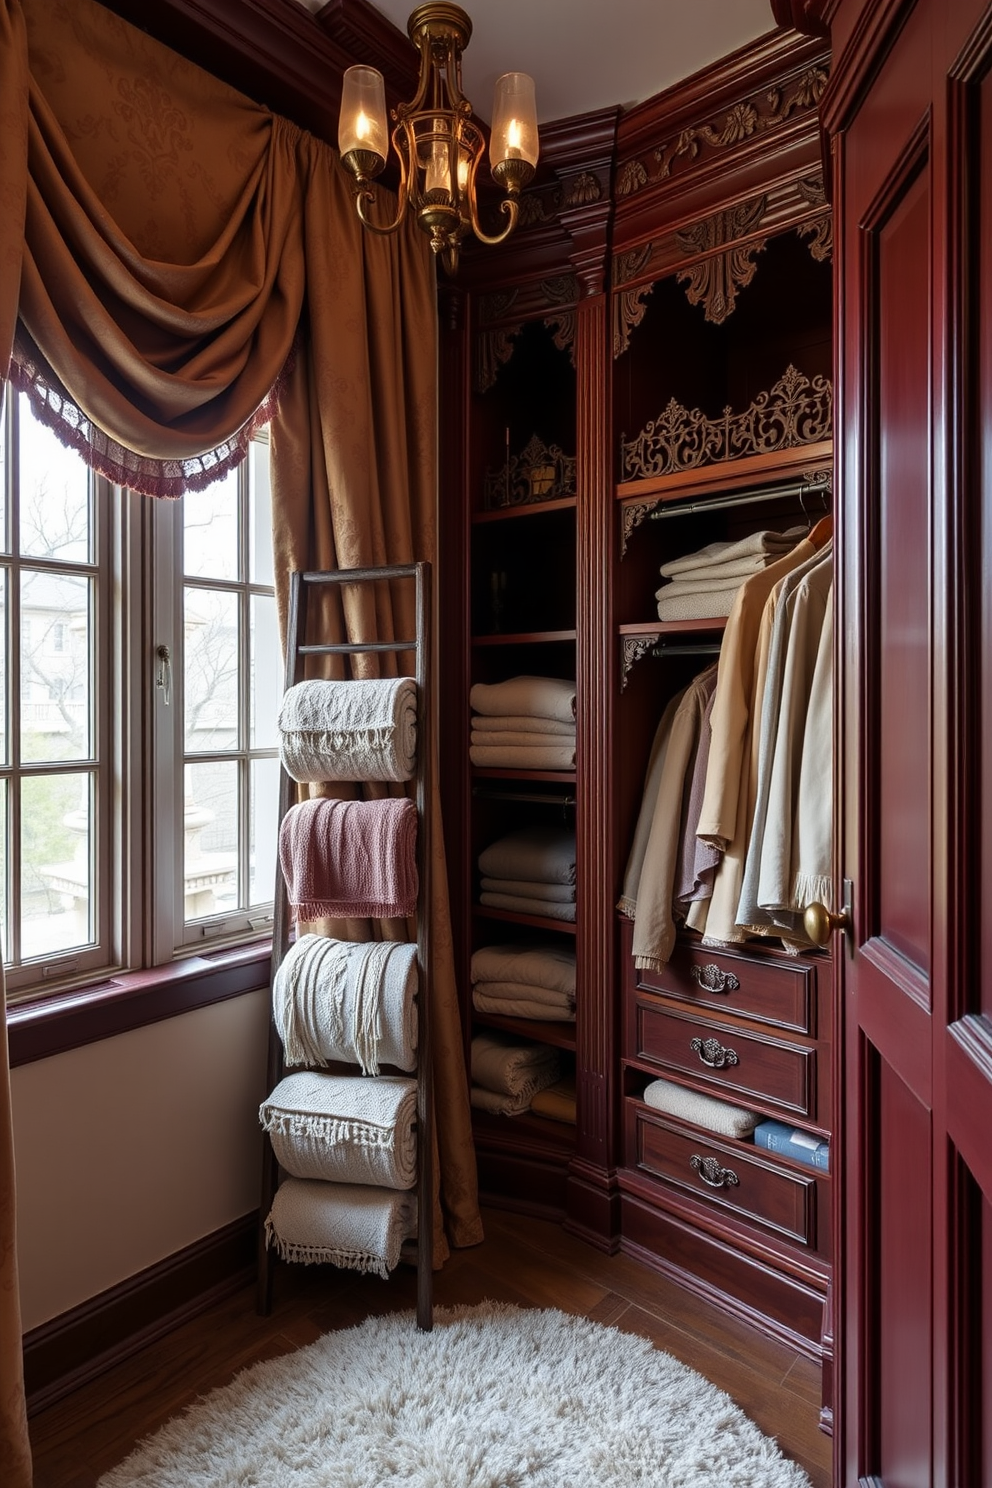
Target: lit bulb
(513,139)
(462,174)
(363,127)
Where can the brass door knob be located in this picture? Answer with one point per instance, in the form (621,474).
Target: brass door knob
(820,923)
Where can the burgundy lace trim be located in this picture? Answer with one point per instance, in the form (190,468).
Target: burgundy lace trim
(168,479)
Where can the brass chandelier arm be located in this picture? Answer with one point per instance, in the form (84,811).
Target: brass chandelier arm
(509,206)
(366,194)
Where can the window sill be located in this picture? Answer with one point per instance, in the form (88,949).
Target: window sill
(68,1020)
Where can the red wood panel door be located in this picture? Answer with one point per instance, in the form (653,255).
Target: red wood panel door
(913,124)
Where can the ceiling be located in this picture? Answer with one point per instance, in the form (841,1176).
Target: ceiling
(590,54)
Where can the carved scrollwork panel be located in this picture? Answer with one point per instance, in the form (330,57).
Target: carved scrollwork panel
(631,517)
(634,647)
(629,307)
(820,233)
(562,328)
(493,348)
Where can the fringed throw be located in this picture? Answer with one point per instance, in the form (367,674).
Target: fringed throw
(357,730)
(344,1128)
(350,858)
(348,1001)
(341,1224)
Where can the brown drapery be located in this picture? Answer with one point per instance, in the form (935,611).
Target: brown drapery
(171,252)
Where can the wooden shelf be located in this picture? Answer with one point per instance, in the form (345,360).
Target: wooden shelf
(554,1136)
(714,627)
(536,508)
(553,777)
(524,638)
(511,916)
(725,476)
(540,1031)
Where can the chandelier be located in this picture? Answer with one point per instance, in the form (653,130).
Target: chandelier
(438,144)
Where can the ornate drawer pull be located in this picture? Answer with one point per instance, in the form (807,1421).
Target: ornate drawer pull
(711,1172)
(712,979)
(713,1053)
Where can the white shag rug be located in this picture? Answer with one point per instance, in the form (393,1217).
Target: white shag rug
(495,1397)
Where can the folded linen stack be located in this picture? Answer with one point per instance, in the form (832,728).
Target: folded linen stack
(525,723)
(557,1101)
(507,1074)
(531,871)
(702,585)
(525,981)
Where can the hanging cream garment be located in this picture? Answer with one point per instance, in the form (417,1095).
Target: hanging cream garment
(627,903)
(731,775)
(654,919)
(812,865)
(781,608)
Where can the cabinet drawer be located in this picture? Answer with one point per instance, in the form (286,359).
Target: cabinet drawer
(764,990)
(741,1182)
(731,1061)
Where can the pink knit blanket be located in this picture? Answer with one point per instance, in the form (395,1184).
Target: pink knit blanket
(350,858)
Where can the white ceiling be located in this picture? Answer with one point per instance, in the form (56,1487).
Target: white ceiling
(590,54)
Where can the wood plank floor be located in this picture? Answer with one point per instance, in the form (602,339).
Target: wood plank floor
(527,1261)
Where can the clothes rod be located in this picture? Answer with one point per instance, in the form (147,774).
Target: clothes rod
(710,649)
(540,798)
(766,493)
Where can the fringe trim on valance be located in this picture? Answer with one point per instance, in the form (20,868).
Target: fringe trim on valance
(169,479)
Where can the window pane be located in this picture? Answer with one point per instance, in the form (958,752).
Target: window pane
(55,516)
(210,530)
(55,667)
(261,569)
(264,830)
(4,700)
(4,468)
(210,637)
(266,673)
(56,878)
(5,951)
(210,822)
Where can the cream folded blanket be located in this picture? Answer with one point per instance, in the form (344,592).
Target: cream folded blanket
(520,1007)
(539,697)
(349,1001)
(702,1110)
(544,996)
(538,964)
(729,552)
(518,739)
(526,904)
(737,568)
(557,1102)
(351,858)
(523,723)
(530,888)
(715,605)
(540,854)
(496,1104)
(516,757)
(509,1067)
(359,1229)
(692,585)
(363,730)
(344,1128)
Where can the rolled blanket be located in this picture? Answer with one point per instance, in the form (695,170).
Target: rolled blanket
(702,1110)
(360,1229)
(541,964)
(539,697)
(351,858)
(363,730)
(344,1128)
(540,854)
(561,893)
(350,1001)
(521,1007)
(544,996)
(523,723)
(557,1102)
(509,1067)
(526,904)
(516,757)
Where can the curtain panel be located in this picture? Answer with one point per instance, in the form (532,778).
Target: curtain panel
(178,265)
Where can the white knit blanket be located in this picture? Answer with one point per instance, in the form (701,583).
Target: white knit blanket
(344,1128)
(702,1110)
(360,1229)
(361,730)
(349,1001)
(540,964)
(536,697)
(541,854)
(508,1067)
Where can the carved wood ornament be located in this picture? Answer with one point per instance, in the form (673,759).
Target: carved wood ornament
(715,280)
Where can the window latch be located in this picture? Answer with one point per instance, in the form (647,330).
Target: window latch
(163,677)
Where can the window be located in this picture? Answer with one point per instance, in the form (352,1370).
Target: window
(138,751)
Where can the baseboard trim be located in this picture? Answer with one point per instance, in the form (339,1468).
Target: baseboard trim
(80,1345)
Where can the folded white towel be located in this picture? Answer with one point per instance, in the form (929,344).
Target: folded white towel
(516,757)
(540,697)
(541,854)
(728,552)
(559,893)
(360,1229)
(537,963)
(702,1110)
(523,723)
(496,739)
(715,605)
(344,1128)
(350,1001)
(362,730)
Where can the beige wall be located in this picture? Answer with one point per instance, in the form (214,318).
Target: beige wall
(130,1149)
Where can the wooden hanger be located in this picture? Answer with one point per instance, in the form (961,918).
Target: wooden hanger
(821,534)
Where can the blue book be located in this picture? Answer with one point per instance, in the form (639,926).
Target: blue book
(801,1146)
